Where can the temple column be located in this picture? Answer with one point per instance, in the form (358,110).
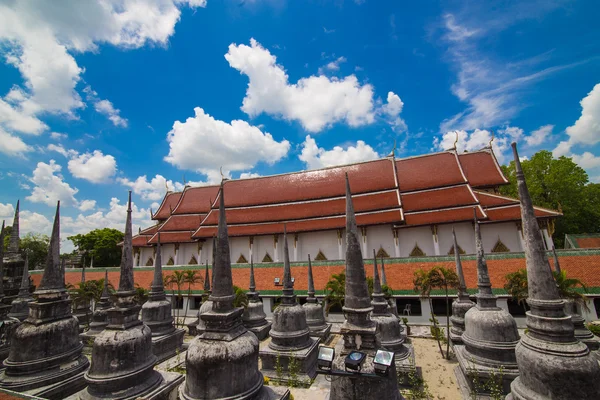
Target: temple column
(295,247)
(520,235)
(547,239)
(339,236)
(396,243)
(199,259)
(436,243)
(250,246)
(176,256)
(363,230)
(275,255)
(425,309)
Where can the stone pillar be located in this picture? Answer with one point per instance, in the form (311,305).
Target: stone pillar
(275,255)
(425,309)
(295,247)
(363,231)
(436,243)
(176,256)
(340,252)
(396,243)
(520,235)
(251,246)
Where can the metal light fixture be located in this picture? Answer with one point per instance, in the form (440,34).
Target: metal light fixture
(325,357)
(382,362)
(276,281)
(354,361)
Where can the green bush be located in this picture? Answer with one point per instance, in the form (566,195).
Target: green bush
(594,328)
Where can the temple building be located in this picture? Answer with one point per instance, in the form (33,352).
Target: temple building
(404,208)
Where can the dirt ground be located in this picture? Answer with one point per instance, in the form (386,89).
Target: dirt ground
(437,371)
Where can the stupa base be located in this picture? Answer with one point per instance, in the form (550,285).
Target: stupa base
(274,360)
(405,364)
(193,327)
(320,332)
(58,383)
(476,378)
(455,339)
(261,332)
(166,346)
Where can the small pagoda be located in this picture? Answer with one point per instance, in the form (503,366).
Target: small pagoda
(81,307)
(290,336)
(255,319)
(14,261)
(100,315)
(8,323)
(156,314)
(315,314)
(359,331)
(20,306)
(45,358)
(490,336)
(122,359)
(205,306)
(222,363)
(553,363)
(392,305)
(462,304)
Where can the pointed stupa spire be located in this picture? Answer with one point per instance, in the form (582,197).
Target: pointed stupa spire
(83,273)
(24,289)
(485,296)
(462,286)
(311,283)
(92,262)
(157,287)
(376,282)
(214,256)
(206,279)
(252,286)
(556,263)
(357,292)
(126,279)
(541,282)
(2,260)
(222,291)
(13,244)
(105,296)
(383,277)
(53,278)
(288,285)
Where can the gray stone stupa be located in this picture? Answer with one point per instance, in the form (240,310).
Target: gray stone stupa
(222,363)
(100,315)
(315,314)
(122,359)
(358,330)
(204,307)
(389,328)
(14,262)
(462,304)
(490,336)
(554,365)
(392,305)
(254,315)
(82,309)
(290,336)
(8,324)
(20,306)
(45,357)
(156,314)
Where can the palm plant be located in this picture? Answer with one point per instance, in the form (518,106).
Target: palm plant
(567,288)
(336,290)
(176,280)
(516,286)
(141,294)
(191,277)
(241,299)
(445,278)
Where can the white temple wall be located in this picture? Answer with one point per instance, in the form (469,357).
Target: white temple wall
(379,236)
(465,236)
(421,235)
(145,254)
(239,246)
(506,231)
(312,242)
(263,245)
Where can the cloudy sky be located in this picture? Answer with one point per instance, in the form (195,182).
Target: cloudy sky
(101,97)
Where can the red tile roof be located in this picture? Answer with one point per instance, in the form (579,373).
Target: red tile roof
(438,198)
(168,204)
(430,171)
(196,200)
(139,241)
(492,200)
(482,169)
(589,243)
(172,237)
(182,223)
(442,216)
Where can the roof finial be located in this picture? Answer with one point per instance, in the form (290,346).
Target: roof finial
(393,153)
(53,278)
(455,140)
(491,140)
(151,213)
(223,177)
(222,291)
(184,183)
(13,244)
(167,185)
(126,278)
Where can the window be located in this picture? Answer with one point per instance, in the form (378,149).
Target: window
(150,262)
(177,302)
(320,256)
(242,260)
(417,252)
(460,250)
(267,258)
(381,253)
(193,261)
(196,302)
(500,247)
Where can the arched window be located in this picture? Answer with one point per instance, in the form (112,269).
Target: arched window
(150,262)
(382,253)
(460,250)
(171,261)
(193,261)
(242,260)
(320,256)
(267,258)
(500,247)
(417,252)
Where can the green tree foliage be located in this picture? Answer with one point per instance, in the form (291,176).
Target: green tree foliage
(192,277)
(559,183)
(102,244)
(516,286)
(241,299)
(336,290)
(7,231)
(36,246)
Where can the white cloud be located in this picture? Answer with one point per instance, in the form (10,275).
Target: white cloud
(12,145)
(473,141)
(316,157)
(50,186)
(154,189)
(94,167)
(87,205)
(332,65)
(40,37)
(105,107)
(586,130)
(392,110)
(587,160)
(59,149)
(204,144)
(248,175)
(513,132)
(6,211)
(316,102)
(538,136)
(58,136)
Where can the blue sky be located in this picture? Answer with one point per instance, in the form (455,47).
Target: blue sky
(99,97)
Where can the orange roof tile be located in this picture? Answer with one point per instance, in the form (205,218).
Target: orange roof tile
(492,200)
(482,169)
(513,213)
(172,237)
(442,216)
(430,171)
(589,242)
(169,202)
(139,241)
(438,198)
(182,223)
(196,200)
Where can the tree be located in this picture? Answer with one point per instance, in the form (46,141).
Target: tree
(516,286)
(102,244)
(559,183)
(241,299)
(7,231)
(336,290)
(36,245)
(176,280)
(191,277)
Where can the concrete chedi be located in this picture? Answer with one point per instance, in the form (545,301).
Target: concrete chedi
(156,314)
(553,363)
(290,336)
(392,305)
(254,315)
(490,335)
(196,327)
(82,309)
(122,359)
(315,314)
(100,315)
(14,262)
(582,333)
(20,306)
(222,363)
(462,304)
(389,328)
(359,330)
(45,357)
(8,324)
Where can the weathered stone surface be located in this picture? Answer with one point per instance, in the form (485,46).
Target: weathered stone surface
(45,356)
(254,316)
(553,363)
(315,314)
(82,309)
(9,324)
(196,327)
(100,316)
(462,304)
(20,306)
